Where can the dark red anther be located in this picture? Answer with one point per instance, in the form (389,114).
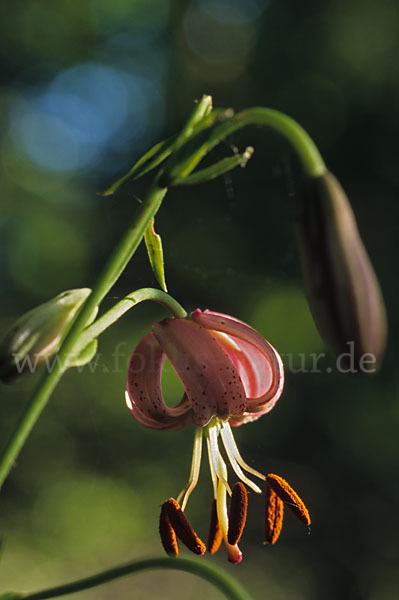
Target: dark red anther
(238,513)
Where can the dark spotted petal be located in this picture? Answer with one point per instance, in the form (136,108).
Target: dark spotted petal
(144,393)
(210,379)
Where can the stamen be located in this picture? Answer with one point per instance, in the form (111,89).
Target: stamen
(218,462)
(182,527)
(167,533)
(195,469)
(215,533)
(219,471)
(233,552)
(212,468)
(274,516)
(236,468)
(290,497)
(238,513)
(229,442)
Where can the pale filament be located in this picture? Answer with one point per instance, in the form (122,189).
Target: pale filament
(195,469)
(212,468)
(229,442)
(217,460)
(221,503)
(235,466)
(223,517)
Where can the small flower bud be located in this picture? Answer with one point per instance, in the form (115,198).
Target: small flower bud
(343,290)
(36,335)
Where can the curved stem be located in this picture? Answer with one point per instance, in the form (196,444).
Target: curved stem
(300,140)
(116,312)
(113,269)
(228,586)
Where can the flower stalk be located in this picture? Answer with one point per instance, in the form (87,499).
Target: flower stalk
(113,269)
(91,332)
(214,575)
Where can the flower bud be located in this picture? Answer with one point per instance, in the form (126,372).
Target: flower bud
(343,290)
(36,335)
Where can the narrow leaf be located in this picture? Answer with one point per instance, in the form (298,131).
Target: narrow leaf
(158,153)
(222,166)
(185,157)
(202,109)
(155,253)
(146,163)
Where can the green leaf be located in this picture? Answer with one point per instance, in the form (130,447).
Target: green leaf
(186,157)
(222,166)
(155,253)
(202,109)
(201,117)
(158,153)
(287,127)
(10,596)
(151,159)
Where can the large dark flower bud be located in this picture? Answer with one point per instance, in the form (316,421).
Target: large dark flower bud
(36,335)
(343,290)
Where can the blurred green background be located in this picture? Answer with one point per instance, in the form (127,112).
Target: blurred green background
(89,86)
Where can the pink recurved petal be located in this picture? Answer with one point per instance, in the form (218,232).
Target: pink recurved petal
(253,366)
(144,393)
(259,365)
(211,380)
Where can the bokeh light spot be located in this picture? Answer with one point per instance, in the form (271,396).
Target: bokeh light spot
(81,113)
(45,139)
(90,99)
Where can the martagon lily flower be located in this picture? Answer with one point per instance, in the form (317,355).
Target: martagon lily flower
(231,375)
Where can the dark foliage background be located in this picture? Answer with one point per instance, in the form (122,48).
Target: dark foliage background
(87,87)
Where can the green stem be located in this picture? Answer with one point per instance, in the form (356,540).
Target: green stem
(302,143)
(116,312)
(113,269)
(228,586)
